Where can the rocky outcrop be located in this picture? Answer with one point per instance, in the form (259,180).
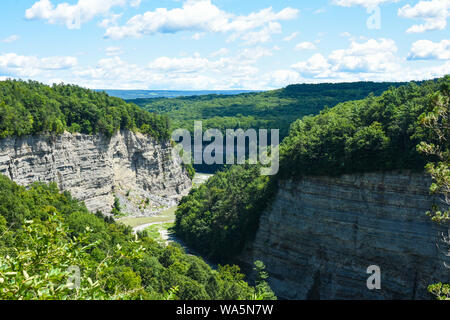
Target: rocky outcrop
(321,234)
(137,169)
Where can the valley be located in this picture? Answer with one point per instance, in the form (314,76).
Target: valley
(351,192)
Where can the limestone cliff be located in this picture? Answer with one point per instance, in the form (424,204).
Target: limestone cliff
(95,168)
(321,233)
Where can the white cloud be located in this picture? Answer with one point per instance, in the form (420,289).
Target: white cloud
(194,64)
(255,53)
(291,36)
(187,72)
(29,66)
(315,65)
(364,3)
(305,46)
(11,38)
(280,78)
(372,60)
(426,49)
(434,12)
(73,15)
(203,16)
(263,35)
(372,56)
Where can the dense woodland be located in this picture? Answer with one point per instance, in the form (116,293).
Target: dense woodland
(373,134)
(31,107)
(43,233)
(275,109)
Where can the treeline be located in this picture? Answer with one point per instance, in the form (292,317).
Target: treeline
(373,134)
(31,107)
(48,239)
(264,110)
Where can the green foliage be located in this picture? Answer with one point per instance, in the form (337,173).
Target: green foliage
(374,134)
(438,148)
(440,291)
(438,121)
(44,232)
(218,217)
(264,110)
(31,107)
(116,210)
(263,291)
(190,170)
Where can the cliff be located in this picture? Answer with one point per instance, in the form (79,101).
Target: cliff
(134,167)
(321,234)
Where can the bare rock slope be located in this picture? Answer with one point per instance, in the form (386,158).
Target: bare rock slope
(322,233)
(137,169)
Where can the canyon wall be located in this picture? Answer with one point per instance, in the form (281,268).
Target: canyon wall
(134,167)
(322,233)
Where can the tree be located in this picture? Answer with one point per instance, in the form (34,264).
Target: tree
(263,290)
(438,120)
(116,210)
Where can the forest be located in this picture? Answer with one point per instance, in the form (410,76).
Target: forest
(45,235)
(373,134)
(275,109)
(29,107)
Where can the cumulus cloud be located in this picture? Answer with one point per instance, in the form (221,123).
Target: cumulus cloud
(29,66)
(73,15)
(372,56)
(203,16)
(188,72)
(315,65)
(434,12)
(305,46)
(426,49)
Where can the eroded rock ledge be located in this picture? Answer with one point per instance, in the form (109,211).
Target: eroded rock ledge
(321,234)
(95,168)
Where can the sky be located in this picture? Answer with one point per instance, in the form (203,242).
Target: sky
(222,44)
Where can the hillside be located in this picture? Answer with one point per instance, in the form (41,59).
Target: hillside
(46,235)
(266,110)
(31,107)
(369,135)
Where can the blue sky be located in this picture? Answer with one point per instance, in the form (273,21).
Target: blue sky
(222,44)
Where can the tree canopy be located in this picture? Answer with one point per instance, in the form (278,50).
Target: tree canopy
(31,107)
(45,235)
(275,109)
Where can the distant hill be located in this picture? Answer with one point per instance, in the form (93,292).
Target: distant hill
(142,94)
(275,109)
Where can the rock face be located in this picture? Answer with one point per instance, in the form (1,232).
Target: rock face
(321,234)
(140,171)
